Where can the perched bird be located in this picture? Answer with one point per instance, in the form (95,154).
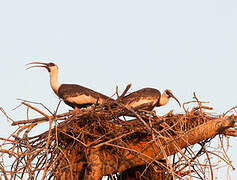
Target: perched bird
(147,99)
(73,95)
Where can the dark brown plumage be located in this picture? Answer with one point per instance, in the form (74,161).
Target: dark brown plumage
(147,99)
(78,96)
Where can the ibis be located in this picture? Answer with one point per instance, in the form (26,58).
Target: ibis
(147,99)
(73,95)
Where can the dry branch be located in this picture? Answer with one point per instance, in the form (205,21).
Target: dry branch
(93,143)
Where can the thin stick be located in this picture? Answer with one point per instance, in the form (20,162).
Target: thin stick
(126,90)
(37,110)
(46,147)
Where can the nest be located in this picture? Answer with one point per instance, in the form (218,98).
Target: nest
(63,151)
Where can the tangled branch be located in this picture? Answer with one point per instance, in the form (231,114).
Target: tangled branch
(103,141)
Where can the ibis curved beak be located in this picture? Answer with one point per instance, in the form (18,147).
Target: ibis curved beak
(38,64)
(171,95)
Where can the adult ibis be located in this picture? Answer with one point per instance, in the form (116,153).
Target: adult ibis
(148,98)
(73,95)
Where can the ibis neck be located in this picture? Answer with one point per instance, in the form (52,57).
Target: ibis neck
(163,100)
(54,81)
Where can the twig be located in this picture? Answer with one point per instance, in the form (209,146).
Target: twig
(111,140)
(209,160)
(199,103)
(46,147)
(37,110)
(233,108)
(35,103)
(125,91)
(230,132)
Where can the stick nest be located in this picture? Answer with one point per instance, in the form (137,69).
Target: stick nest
(47,155)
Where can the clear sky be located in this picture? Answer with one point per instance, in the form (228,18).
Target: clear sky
(187,46)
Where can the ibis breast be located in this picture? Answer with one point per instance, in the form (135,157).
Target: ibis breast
(82,99)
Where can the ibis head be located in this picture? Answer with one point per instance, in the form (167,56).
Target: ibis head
(51,67)
(165,97)
(53,73)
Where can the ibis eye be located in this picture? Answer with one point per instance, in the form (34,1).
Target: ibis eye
(169,94)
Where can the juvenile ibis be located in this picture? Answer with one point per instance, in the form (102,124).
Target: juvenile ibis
(148,98)
(73,95)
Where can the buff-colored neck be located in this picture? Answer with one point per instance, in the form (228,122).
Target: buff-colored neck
(164,99)
(54,80)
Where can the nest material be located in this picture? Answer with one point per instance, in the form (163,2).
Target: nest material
(62,152)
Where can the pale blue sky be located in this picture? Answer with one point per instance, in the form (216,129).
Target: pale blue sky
(184,45)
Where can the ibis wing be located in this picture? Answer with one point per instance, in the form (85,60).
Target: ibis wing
(145,93)
(80,95)
(145,99)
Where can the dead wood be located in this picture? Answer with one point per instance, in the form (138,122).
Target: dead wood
(93,143)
